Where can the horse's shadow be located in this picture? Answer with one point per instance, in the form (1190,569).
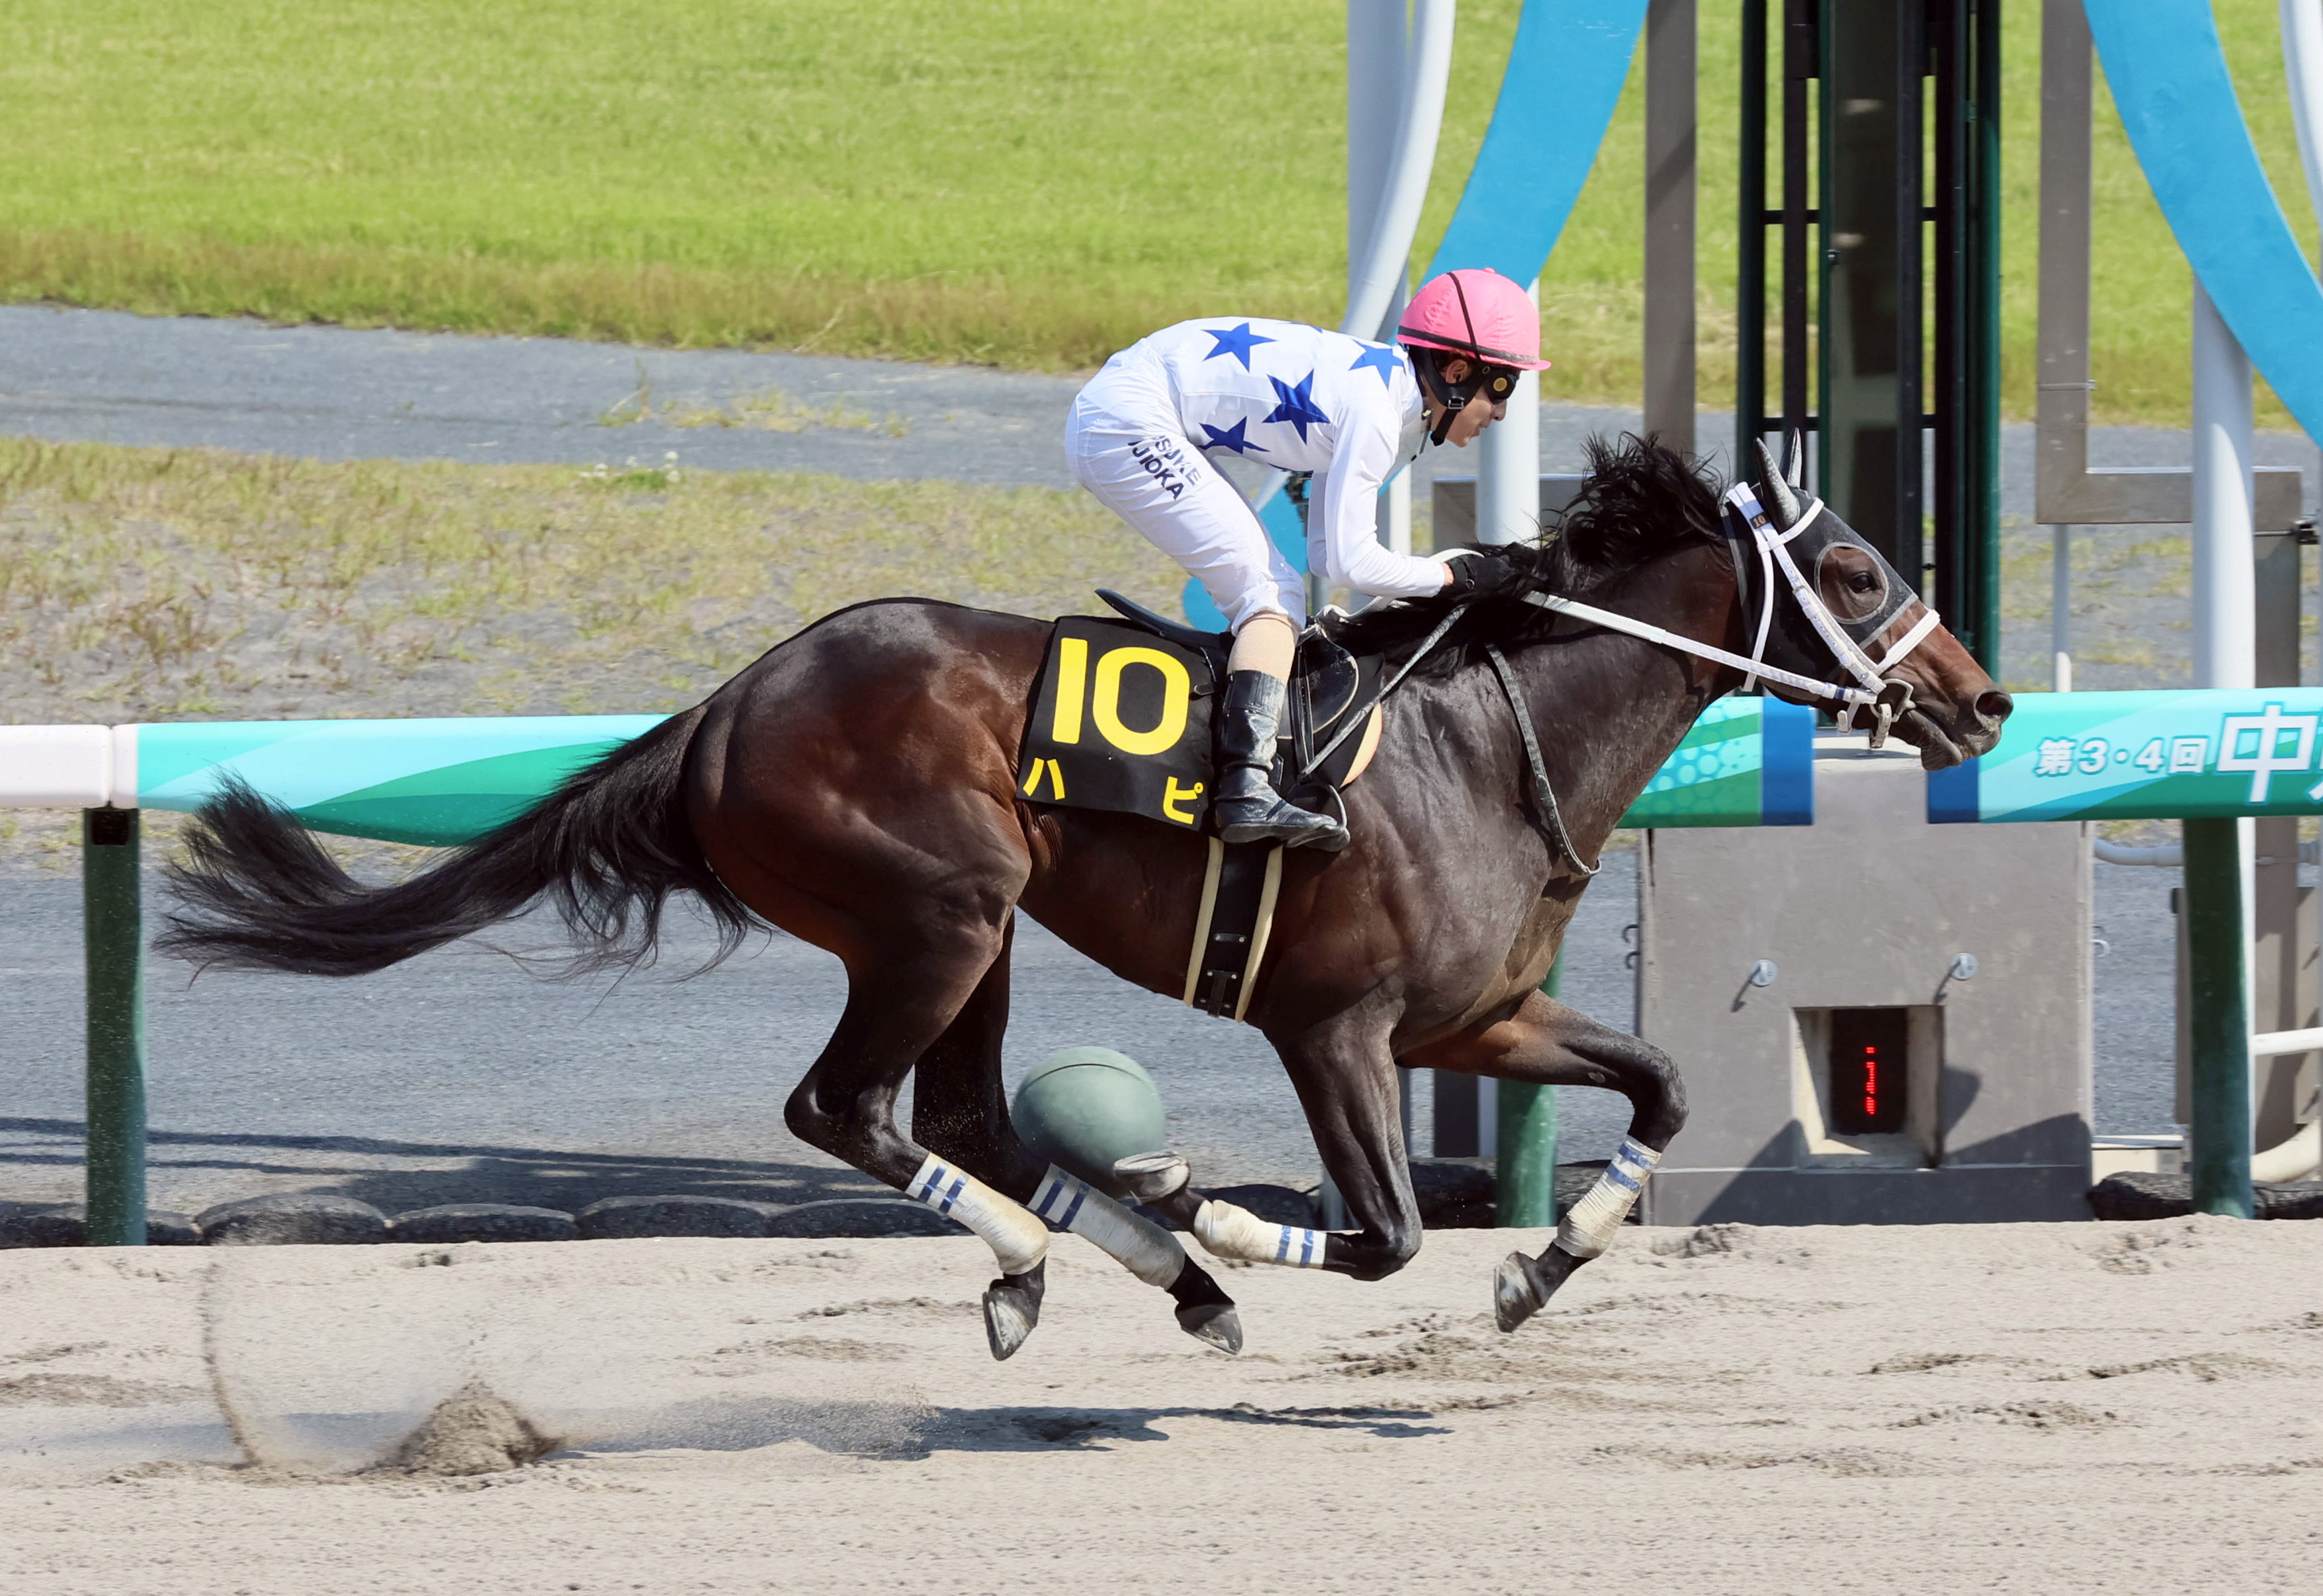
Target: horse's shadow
(905,1431)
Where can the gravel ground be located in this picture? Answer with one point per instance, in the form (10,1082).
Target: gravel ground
(1958,1407)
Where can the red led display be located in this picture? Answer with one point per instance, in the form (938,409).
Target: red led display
(1868,1070)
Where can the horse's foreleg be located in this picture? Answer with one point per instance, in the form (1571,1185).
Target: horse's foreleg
(1348,1085)
(1545,1044)
(960,1112)
(846,1105)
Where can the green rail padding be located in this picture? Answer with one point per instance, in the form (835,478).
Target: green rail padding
(1747,762)
(436,781)
(441,783)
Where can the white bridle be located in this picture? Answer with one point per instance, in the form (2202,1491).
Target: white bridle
(1885,696)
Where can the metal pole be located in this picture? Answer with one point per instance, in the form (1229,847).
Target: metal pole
(1981,502)
(114,949)
(1525,1167)
(2225,591)
(2218,1137)
(1799,66)
(2218,852)
(1751,266)
(1669,222)
(1377,42)
(1508,466)
(2061,609)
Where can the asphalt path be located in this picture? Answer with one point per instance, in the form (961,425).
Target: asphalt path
(339,393)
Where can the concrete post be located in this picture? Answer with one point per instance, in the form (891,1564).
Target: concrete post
(114,949)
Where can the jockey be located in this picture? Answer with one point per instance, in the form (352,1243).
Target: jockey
(1301,400)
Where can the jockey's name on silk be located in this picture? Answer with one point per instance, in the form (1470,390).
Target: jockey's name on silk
(2206,753)
(1121,721)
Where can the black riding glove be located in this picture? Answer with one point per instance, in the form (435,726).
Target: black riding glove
(1482,575)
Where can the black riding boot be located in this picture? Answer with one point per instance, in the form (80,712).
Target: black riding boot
(1247,808)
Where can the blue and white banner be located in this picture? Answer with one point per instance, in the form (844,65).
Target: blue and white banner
(2145,756)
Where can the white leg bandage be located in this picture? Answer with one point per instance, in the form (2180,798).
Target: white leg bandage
(1229,1232)
(1590,1224)
(1138,1244)
(1017,1240)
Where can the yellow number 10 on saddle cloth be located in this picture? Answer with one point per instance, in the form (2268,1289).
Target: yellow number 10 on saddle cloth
(1121,720)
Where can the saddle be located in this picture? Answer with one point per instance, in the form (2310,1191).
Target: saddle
(1326,683)
(1120,720)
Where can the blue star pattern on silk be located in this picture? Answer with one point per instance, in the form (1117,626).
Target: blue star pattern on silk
(1380,358)
(1297,405)
(1232,438)
(1237,342)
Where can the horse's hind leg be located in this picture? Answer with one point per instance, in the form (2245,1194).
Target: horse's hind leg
(1545,1044)
(899,1002)
(960,1111)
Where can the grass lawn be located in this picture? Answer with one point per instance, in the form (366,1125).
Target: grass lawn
(195,584)
(1023,182)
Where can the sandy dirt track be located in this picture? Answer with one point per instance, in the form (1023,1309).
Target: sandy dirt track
(2038,1408)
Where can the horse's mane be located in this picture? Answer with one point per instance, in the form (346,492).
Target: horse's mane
(1641,498)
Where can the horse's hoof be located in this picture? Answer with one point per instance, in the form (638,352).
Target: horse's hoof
(1215,1324)
(1150,1176)
(1522,1286)
(1010,1314)
(1516,1295)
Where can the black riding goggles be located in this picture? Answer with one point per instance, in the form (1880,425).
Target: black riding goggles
(1486,382)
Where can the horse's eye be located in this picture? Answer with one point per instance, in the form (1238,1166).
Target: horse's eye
(1863,581)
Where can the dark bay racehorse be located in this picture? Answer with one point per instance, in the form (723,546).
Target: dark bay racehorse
(856,787)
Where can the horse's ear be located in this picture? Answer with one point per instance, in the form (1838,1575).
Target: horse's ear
(1778,491)
(1794,460)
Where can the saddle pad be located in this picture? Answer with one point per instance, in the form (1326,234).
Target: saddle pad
(1121,720)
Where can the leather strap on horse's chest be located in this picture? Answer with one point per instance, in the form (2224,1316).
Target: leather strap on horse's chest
(1230,931)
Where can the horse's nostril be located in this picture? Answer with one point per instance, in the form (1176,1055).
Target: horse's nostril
(1993,705)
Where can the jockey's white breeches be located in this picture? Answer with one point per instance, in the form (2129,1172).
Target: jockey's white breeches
(1127,446)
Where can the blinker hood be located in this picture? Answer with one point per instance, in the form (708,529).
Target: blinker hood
(1820,532)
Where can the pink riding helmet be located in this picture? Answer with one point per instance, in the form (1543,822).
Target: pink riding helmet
(1476,312)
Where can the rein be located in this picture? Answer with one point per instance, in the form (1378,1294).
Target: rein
(1544,797)
(1885,696)
(1357,717)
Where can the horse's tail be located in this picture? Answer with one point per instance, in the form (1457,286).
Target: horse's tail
(606,850)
